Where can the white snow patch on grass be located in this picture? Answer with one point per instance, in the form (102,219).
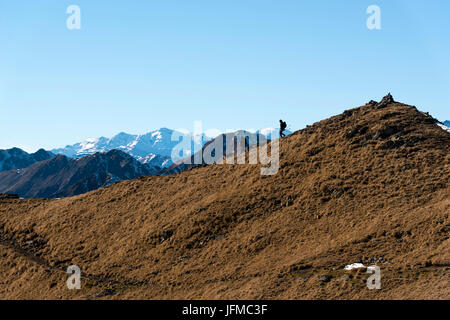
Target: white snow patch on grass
(354,266)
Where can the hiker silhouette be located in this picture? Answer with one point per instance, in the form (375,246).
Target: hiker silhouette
(283,127)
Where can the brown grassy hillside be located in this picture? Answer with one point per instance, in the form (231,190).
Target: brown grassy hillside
(370,185)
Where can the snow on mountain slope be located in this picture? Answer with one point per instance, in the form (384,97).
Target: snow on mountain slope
(155,160)
(445,125)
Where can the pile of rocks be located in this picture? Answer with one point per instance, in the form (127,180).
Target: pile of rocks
(383,103)
(386,101)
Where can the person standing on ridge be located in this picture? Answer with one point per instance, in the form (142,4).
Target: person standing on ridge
(283,126)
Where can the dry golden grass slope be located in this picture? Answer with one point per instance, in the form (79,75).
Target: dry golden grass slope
(369,185)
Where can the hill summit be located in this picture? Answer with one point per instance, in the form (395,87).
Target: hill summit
(369,186)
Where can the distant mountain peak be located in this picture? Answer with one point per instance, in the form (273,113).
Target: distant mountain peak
(16,158)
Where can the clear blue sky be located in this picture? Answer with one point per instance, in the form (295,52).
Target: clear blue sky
(136,66)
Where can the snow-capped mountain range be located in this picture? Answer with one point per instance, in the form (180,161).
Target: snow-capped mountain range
(153,148)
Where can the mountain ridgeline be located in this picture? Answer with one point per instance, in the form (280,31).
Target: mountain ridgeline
(61,176)
(43,174)
(153,148)
(16,158)
(368,186)
(237,142)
